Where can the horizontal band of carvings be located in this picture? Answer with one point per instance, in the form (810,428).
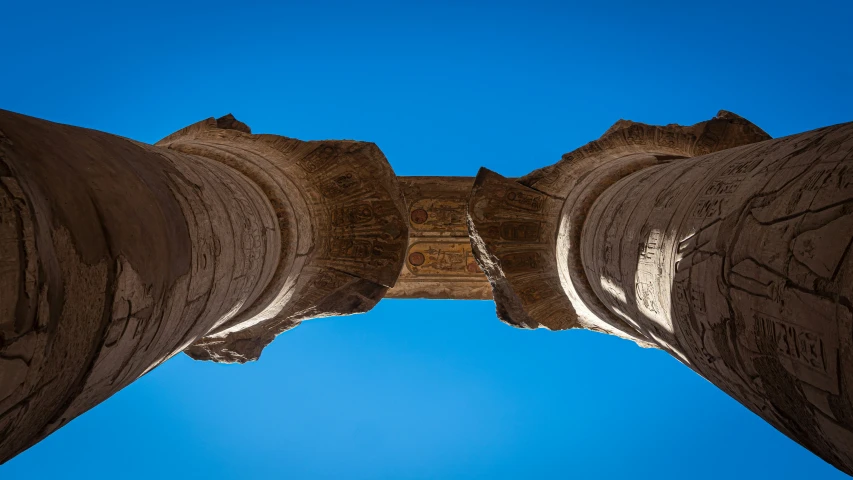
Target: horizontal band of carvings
(342,220)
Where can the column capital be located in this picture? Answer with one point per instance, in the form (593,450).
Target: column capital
(341,215)
(525,232)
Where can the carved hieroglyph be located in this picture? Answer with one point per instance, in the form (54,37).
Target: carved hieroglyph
(439,261)
(117,255)
(733,256)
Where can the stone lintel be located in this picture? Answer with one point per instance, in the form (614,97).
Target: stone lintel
(439,260)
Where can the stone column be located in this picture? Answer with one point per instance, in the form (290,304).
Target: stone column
(734,259)
(116,255)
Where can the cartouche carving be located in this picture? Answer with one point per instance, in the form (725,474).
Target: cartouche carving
(439,260)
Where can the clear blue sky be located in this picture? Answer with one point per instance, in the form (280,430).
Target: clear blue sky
(426,389)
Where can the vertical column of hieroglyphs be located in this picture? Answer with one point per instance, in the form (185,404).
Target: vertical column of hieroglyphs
(115,256)
(739,264)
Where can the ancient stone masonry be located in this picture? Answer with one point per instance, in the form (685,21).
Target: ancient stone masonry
(115,255)
(726,249)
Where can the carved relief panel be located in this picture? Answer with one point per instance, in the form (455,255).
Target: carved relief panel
(439,260)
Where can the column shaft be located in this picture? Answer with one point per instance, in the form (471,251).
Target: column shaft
(738,263)
(114,256)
